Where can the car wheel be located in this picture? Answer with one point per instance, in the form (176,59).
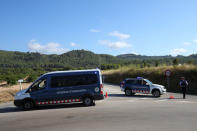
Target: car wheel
(156,93)
(87,101)
(28,105)
(128,92)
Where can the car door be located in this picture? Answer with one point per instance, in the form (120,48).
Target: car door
(143,86)
(39,90)
(136,86)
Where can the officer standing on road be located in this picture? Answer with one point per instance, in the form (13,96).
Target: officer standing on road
(183,84)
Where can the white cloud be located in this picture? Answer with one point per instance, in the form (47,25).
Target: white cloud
(195,41)
(178,51)
(73,44)
(49,48)
(115,45)
(94,30)
(187,43)
(31,41)
(119,35)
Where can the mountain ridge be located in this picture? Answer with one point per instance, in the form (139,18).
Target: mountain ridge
(81,58)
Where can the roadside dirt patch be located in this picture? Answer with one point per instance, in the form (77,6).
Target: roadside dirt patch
(7,93)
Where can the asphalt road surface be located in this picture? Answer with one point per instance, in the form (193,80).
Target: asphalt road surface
(116,113)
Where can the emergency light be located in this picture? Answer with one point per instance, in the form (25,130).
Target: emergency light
(139,77)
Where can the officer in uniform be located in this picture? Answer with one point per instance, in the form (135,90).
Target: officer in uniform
(183,84)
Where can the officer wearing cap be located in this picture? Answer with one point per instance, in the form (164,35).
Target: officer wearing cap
(183,84)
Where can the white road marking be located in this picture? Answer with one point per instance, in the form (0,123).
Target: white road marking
(100,101)
(187,102)
(161,100)
(131,100)
(143,98)
(112,90)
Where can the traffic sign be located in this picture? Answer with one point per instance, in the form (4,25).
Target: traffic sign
(167,73)
(20,81)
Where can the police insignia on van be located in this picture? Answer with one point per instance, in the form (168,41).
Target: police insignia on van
(61,87)
(140,85)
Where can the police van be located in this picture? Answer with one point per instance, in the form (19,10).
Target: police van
(61,87)
(140,85)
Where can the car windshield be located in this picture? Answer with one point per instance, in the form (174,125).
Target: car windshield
(149,82)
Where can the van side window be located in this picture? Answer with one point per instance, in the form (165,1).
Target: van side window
(74,80)
(41,84)
(139,82)
(131,82)
(135,82)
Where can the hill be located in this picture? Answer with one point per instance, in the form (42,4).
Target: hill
(84,59)
(74,59)
(134,56)
(16,65)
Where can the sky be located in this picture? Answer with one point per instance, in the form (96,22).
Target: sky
(145,27)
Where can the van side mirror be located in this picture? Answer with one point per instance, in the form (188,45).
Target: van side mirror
(147,84)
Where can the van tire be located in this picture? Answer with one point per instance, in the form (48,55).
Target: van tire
(128,92)
(28,105)
(87,101)
(156,93)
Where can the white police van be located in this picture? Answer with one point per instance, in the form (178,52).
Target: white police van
(62,87)
(140,85)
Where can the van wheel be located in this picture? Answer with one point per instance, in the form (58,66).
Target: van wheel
(156,93)
(128,92)
(87,101)
(28,105)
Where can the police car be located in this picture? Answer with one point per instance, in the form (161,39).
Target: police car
(62,87)
(140,85)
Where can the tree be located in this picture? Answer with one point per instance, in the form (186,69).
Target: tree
(189,62)
(11,79)
(156,63)
(144,64)
(175,61)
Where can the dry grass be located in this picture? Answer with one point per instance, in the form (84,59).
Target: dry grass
(156,75)
(7,92)
(160,69)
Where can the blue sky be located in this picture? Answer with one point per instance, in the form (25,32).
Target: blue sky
(147,27)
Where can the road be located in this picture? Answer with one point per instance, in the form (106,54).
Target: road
(116,113)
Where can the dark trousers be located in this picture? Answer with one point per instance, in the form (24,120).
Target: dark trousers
(184,92)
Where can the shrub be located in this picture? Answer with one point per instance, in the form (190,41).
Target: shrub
(11,79)
(31,78)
